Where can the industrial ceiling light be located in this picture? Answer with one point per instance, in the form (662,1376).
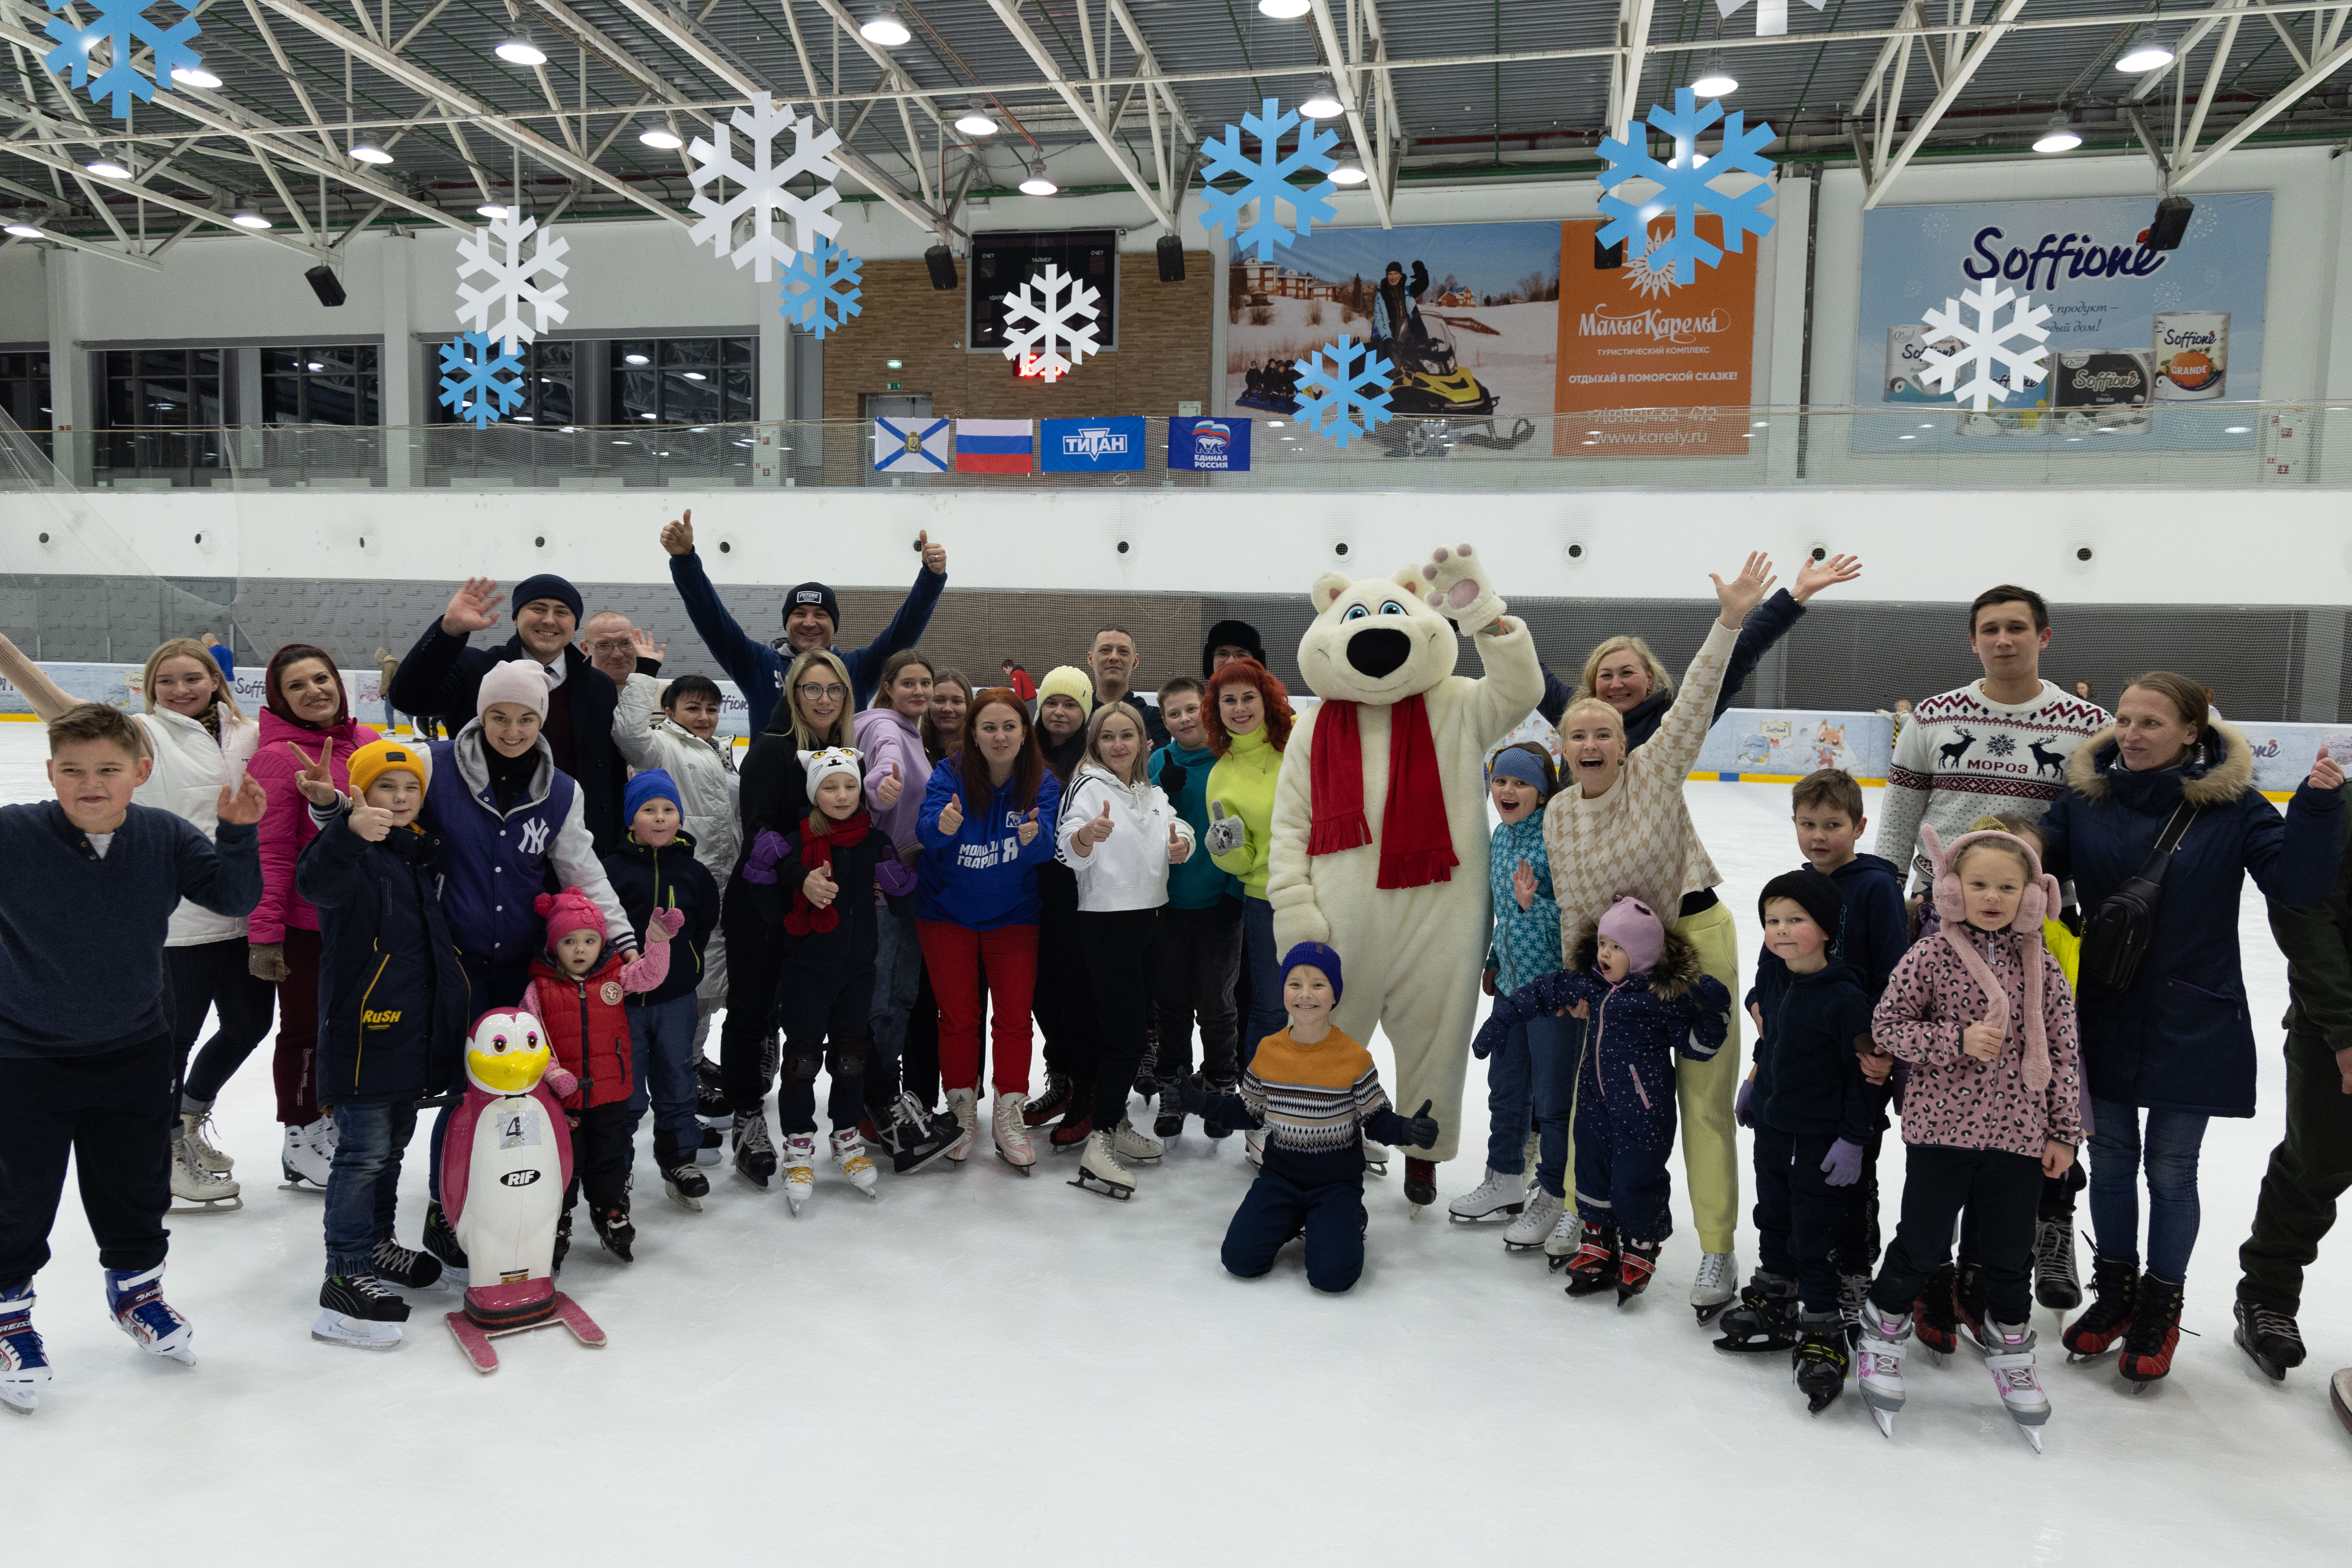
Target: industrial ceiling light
(1715,82)
(1321,102)
(520,50)
(1349,173)
(882,26)
(22,231)
(2060,138)
(660,136)
(1037,184)
(368,153)
(2146,52)
(975,120)
(245,217)
(108,167)
(491,209)
(194,76)
(1284,10)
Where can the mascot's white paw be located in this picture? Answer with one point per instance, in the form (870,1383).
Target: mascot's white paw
(1454,584)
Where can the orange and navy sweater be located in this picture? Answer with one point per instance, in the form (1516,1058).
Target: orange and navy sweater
(1316,1103)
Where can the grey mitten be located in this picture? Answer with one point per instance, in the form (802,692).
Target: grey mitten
(267,961)
(1225,834)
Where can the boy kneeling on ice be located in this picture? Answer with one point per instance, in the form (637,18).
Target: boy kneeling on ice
(1315,1093)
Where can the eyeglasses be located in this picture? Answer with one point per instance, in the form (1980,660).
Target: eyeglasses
(837,691)
(612,645)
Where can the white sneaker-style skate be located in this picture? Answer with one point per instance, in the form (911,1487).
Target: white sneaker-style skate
(1254,1146)
(1716,1286)
(2009,1359)
(192,1183)
(1567,1236)
(194,1129)
(964,1104)
(1099,1170)
(24,1364)
(1135,1146)
(849,1155)
(1011,1128)
(1501,1193)
(1539,1219)
(800,1168)
(1376,1158)
(310,1155)
(1878,1363)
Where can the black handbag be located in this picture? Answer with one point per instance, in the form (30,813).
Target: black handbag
(2116,934)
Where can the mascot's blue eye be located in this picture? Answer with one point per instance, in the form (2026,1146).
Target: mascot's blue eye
(1392,608)
(1355,613)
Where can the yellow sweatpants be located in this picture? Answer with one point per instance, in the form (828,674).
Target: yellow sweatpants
(1704,1091)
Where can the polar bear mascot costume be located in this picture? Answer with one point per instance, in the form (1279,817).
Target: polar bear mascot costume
(1380,834)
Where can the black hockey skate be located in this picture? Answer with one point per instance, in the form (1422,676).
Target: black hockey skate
(1765,1319)
(1592,1266)
(1050,1103)
(1935,1317)
(1170,1121)
(395,1265)
(441,1241)
(915,1137)
(614,1229)
(1820,1360)
(755,1154)
(2057,1284)
(1420,1181)
(2270,1337)
(1210,1126)
(686,1184)
(359,1311)
(562,1245)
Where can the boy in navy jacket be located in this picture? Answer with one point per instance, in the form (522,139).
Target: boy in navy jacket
(85,1047)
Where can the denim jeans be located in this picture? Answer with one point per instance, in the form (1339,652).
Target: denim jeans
(897,973)
(1555,1048)
(661,1044)
(365,1185)
(2168,1149)
(1266,1016)
(1510,1103)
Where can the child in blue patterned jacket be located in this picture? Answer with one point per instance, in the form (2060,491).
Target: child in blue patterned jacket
(1528,1081)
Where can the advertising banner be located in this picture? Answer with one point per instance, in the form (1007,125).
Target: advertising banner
(1664,367)
(2146,346)
(1091,445)
(1209,445)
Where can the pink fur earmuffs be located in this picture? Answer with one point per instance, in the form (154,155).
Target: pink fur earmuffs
(2040,898)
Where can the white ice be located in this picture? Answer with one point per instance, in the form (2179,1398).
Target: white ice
(990,1369)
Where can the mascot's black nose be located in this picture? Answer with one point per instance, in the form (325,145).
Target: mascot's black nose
(1379,652)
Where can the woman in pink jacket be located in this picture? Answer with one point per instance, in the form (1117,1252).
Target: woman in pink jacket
(306,712)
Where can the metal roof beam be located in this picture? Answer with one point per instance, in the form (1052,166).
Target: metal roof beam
(189,209)
(1349,74)
(2278,103)
(1009,12)
(69,243)
(1955,80)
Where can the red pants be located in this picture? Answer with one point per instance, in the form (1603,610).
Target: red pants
(295,1062)
(954,956)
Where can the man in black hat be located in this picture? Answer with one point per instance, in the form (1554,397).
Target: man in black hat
(1227,641)
(812,619)
(441,675)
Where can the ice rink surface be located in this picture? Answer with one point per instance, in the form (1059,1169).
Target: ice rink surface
(988,1369)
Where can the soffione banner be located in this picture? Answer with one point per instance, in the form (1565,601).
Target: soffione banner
(2147,347)
(1661,367)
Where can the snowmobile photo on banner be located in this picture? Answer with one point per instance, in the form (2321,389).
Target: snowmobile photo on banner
(1436,401)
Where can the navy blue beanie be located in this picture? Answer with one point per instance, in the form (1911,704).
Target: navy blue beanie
(1317,956)
(548,585)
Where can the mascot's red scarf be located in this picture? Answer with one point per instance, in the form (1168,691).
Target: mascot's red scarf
(816,854)
(1416,843)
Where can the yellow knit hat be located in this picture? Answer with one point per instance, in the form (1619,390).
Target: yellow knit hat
(1070,680)
(378,757)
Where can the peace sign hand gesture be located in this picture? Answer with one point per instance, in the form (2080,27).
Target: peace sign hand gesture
(317,785)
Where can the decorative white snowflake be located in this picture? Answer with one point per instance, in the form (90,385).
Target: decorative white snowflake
(761,182)
(1332,392)
(122,26)
(1686,184)
(1772,16)
(1045,333)
(1267,180)
(478,382)
(821,287)
(497,248)
(1983,352)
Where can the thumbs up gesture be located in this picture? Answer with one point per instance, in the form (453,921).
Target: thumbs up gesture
(1028,828)
(372,823)
(1226,834)
(951,815)
(317,786)
(819,887)
(1180,848)
(1425,1132)
(1096,830)
(887,793)
(2326,774)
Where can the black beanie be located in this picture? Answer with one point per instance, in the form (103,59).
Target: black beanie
(548,585)
(1230,633)
(1812,892)
(815,593)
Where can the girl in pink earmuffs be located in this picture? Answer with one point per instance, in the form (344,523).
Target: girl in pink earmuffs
(1984,1017)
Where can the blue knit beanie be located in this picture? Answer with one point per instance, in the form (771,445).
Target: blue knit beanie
(1315,955)
(654,783)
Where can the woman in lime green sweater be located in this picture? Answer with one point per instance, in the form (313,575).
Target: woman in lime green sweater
(1248,714)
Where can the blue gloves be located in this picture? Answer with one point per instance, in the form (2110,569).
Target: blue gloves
(1740,1113)
(1424,1128)
(1843,1166)
(1491,1034)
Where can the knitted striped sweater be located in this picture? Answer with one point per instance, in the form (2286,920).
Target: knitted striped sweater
(1638,839)
(1964,756)
(1312,1098)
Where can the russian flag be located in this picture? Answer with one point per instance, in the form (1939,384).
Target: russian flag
(992,447)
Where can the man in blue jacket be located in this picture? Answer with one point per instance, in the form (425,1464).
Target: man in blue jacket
(812,619)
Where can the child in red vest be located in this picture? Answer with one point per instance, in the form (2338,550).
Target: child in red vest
(576,990)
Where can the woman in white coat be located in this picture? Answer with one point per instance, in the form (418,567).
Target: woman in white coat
(1118,834)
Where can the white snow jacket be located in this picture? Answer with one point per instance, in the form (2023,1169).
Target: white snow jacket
(1129,870)
(704,771)
(190,770)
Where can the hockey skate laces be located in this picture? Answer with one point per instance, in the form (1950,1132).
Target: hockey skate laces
(2269,1322)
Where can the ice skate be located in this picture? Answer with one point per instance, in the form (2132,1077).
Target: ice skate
(1878,1363)
(1134,1146)
(1968,1310)
(849,1157)
(1567,1236)
(713,1149)
(2055,1284)
(396,1265)
(2270,1339)
(1011,1133)
(1099,1170)
(2114,1288)
(1934,1317)
(1501,1192)
(1592,1269)
(1637,1264)
(1376,1163)
(1716,1286)
(2010,1357)
(1216,1088)
(1052,1103)
(800,1168)
(1420,1181)
(442,1242)
(309,1157)
(686,1184)
(1169,1123)
(1254,1147)
(916,1137)
(614,1229)
(755,1157)
(1765,1319)
(1070,1135)
(1821,1360)
(140,1312)
(195,1126)
(2339,1396)
(711,1106)
(191,1184)
(2154,1336)
(1537,1221)
(964,1104)
(1853,1299)
(358,1310)
(24,1364)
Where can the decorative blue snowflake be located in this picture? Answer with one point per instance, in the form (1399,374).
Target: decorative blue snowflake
(821,287)
(120,24)
(1267,181)
(1334,390)
(1687,185)
(479,380)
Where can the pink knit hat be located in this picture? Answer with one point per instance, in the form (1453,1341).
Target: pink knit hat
(566,912)
(1634,926)
(520,680)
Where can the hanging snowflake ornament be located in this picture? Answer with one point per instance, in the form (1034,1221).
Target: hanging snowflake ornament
(1984,369)
(1045,332)
(1686,184)
(498,247)
(1340,381)
(122,27)
(1266,181)
(478,382)
(821,287)
(1772,16)
(760,194)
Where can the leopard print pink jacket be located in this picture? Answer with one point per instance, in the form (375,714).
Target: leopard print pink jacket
(1952,1100)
